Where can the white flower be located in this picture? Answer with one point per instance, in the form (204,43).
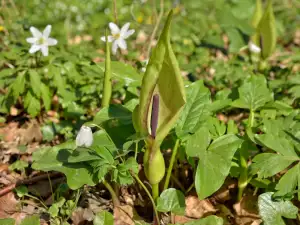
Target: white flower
(254,48)
(118,36)
(84,137)
(40,41)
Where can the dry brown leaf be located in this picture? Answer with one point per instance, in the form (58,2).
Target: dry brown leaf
(246,210)
(125,215)
(8,205)
(31,133)
(81,215)
(196,208)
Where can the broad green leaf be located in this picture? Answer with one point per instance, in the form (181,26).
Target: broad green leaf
(55,158)
(8,221)
(35,82)
(113,111)
(267,31)
(209,220)
(122,173)
(18,85)
(48,132)
(32,103)
(273,211)
(162,77)
(214,165)
(278,144)
(253,94)
(21,191)
(46,96)
(196,110)
(236,39)
(82,155)
(54,208)
(18,165)
(289,181)
(171,200)
(122,71)
(216,127)
(198,142)
(102,139)
(269,164)
(31,220)
(103,218)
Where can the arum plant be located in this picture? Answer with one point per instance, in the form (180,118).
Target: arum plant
(161,101)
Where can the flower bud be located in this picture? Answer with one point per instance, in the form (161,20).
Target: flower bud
(154,165)
(84,137)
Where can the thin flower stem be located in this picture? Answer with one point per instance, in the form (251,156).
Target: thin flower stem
(107,76)
(115,12)
(149,195)
(136,149)
(161,13)
(173,157)
(113,194)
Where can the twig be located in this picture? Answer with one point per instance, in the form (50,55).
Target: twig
(161,13)
(35,179)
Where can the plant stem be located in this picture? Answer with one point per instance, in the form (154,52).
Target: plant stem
(148,193)
(173,157)
(115,11)
(113,194)
(155,191)
(161,13)
(107,76)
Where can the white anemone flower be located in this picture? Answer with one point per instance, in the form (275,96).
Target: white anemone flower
(84,137)
(40,41)
(254,48)
(118,36)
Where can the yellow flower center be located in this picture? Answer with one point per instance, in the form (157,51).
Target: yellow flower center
(117,36)
(41,41)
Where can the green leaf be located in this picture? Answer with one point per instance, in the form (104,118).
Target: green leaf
(171,200)
(269,164)
(55,158)
(273,211)
(8,221)
(35,82)
(253,94)
(209,220)
(114,111)
(124,72)
(122,173)
(18,85)
(288,182)
(32,103)
(48,132)
(196,110)
(31,220)
(216,127)
(278,144)
(54,209)
(46,96)
(267,31)
(198,142)
(21,191)
(18,165)
(82,155)
(162,77)
(214,165)
(103,218)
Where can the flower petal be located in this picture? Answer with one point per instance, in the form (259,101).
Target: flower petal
(114,47)
(114,28)
(84,137)
(122,43)
(109,38)
(44,50)
(35,32)
(31,40)
(47,31)
(34,48)
(51,41)
(127,34)
(124,29)
(254,48)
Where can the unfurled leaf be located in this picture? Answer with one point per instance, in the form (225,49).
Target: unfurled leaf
(35,82)
(198,142)
(18,85)
(253,94)
(273,211)
(196,110)
(289,181)
(31,220)
(103,218)
(46,96)
(32,103)
(7,221)
(171,200)
(278,144)
(209,220)
(267,31)
(269,164)
(162,78)
(214,164)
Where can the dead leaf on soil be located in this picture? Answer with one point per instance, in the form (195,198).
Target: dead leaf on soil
(8,205)
(80,215)
(196,208)
(125,215)
(246,210)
